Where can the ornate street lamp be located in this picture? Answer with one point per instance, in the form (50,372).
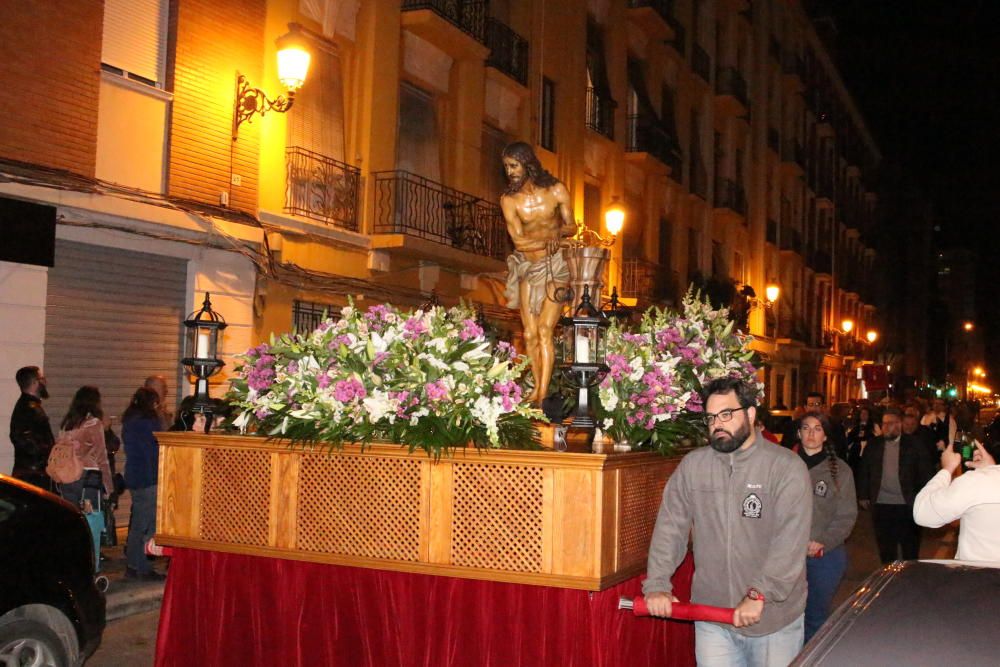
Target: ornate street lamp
(201,347)
(583,348)
(293,66)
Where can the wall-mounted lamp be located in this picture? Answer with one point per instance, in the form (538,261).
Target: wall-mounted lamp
(968,326)
(872,335)
(847,326)
(772,292)
(293,65)
(614,217)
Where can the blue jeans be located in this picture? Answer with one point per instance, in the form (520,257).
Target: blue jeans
(823,575)
(141,527)
(721,646)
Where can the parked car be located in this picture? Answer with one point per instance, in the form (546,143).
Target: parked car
(51,611)
(914,613)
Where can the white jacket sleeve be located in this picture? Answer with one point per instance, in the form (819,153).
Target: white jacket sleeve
(939,502)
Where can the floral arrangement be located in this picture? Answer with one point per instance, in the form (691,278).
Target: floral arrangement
(651,392)
(429,379)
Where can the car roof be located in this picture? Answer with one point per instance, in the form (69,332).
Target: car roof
(914,612)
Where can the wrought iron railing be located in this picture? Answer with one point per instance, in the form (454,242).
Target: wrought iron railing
(701,62)
(730,194)
(600,113)
(639,278)
(699,180)
(416,206)
(791,239)
(508,51)
(772,231)
(321,188)
(467,15)
(791,151)
(729,81)
(773,139)
(648,135)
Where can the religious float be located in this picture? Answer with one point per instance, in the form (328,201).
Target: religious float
(393,497)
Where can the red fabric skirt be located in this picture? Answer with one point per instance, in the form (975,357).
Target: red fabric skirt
(226,609)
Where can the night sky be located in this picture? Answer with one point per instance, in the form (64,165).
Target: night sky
(926,76)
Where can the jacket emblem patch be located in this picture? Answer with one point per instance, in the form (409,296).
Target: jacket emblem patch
(752,506)
(820,489)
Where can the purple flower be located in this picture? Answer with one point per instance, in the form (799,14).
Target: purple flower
(510,393)
(293,367)
(347,390)
(635,339)
(413,328)
(619,367)
(505,349)
(379,358)
(262,413)
(323,381)
(470,330)
(342,339)
(436,391)
(694,403)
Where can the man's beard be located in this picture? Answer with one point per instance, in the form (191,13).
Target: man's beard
(515,184)
(43,391)
(724,444)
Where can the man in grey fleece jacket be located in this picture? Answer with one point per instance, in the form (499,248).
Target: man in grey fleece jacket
(747,504)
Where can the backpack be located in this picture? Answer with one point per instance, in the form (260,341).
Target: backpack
(64,465)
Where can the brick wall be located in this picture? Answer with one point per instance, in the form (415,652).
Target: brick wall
(50,60)
(211,40)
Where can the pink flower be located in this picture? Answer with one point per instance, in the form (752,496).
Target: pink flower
(347,390)
(470,330)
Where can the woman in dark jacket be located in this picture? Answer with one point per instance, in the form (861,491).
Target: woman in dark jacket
(140,421)
(863,431)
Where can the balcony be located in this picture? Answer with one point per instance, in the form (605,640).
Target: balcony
(648,136)
(600,113)
(731,91)
(639,279)
(793,69)
(508,51)
(428,220)
(321,188)
(656,17)
(457,27)
(699,180)
(774,140)
(793,157)
(701,62)
(730,196)
(790,240)
(821,262)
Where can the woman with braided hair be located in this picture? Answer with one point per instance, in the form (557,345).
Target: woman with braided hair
(835,510)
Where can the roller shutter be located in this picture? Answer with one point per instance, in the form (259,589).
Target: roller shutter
(113,318)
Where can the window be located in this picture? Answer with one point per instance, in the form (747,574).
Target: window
(547,118)
(692,258)
(739,267)
(134,42)
(417,148)
(316,122)
(307,315)
(492,177)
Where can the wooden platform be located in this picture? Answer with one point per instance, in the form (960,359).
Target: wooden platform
(571,520)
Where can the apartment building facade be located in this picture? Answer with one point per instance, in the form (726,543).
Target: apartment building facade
(720,125)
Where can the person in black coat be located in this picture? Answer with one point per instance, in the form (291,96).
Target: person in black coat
(894,467)
(30,431)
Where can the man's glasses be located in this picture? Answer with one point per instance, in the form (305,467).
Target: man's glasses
(722,416)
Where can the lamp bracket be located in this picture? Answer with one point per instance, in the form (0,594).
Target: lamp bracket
(250,101)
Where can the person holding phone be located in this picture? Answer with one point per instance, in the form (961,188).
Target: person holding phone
(973,498)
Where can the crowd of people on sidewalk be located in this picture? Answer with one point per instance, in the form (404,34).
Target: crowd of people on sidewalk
(767,516)
(78,462)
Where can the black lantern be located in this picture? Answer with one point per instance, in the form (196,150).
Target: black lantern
(201,346)
(583,350)
(614,309)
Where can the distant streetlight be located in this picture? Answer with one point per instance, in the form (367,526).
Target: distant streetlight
(872,335)
(772,292)
(847,326)
(614,218)
(968,326)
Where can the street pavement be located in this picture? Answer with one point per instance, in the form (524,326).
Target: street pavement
(130,639)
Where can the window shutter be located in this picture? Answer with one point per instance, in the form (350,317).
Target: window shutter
(135,37)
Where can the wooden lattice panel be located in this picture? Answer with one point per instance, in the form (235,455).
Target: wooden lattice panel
(640,491)
(236,496)
(497,517)
(360,506)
